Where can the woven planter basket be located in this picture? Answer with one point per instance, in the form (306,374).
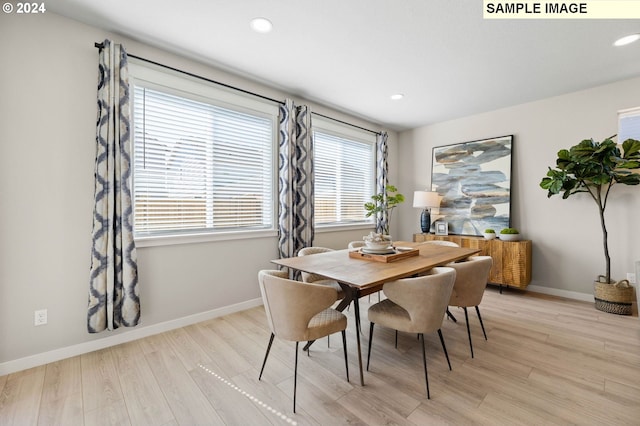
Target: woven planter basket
(615,298)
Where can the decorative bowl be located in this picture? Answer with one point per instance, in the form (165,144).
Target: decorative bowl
(510,237)
(375,241)
(377,245)
(489,235)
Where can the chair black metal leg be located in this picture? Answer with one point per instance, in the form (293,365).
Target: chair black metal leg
(424,361)
(444,348)
(295,379)
(266,355)
(481,324)
(466,317)
(370,344)
(450,315)
(344,345)
(328,340)
(396,339)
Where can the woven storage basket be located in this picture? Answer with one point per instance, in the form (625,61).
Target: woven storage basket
(614,298)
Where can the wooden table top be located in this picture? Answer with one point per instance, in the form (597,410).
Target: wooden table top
(363,274)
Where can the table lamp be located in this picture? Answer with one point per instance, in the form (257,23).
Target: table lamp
(425,200)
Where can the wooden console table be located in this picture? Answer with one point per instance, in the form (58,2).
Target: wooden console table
(511,259)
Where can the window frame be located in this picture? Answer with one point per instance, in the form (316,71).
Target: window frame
(349,132)
(183,85)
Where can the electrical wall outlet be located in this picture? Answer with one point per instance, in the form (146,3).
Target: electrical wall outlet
(40,317)
(631,277)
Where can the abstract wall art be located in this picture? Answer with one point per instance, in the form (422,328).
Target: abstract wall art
(474,180)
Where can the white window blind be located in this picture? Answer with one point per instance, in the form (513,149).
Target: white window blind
(629,124)
(344,168)
(199,167)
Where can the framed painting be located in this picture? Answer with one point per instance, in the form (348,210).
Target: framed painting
(474,181)
(442,227)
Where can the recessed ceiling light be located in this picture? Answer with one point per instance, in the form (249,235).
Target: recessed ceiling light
(261,25)
(627,40)
(397,96)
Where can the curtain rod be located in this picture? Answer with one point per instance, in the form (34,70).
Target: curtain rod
(348,124)
(101,46)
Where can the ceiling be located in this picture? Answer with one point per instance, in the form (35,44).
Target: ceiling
(353,54)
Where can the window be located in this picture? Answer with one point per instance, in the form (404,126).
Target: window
(629,124)
(344,167)
(203,157)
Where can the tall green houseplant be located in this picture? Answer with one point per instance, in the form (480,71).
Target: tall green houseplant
(594,168)
(382,204)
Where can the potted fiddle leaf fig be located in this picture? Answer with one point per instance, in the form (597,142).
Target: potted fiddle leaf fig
(382,204)
(595,168)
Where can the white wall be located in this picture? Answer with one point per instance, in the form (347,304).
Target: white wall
(47,154)
(566,234)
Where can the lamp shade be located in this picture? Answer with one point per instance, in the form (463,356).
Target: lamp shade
(423,199)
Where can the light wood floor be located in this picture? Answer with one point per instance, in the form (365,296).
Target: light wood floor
(547,361)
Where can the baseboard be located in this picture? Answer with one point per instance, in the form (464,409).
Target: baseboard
(585,297)
(128,336)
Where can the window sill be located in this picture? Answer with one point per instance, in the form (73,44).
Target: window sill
(338,228)
(201,238)
(168,240)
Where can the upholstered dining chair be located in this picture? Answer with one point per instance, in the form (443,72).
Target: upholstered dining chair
(415,305)
(447,244)
(319,279)
(299,312)
(442,243)
(356,244)
(471,280)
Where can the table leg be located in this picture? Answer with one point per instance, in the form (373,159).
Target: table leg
(352,294)
(356,312)
(344,302)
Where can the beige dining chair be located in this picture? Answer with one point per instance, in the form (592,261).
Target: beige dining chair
(356,244)
(299,312)
(442,243)
(446,244)
(415,305)
(319,279)
(471,280)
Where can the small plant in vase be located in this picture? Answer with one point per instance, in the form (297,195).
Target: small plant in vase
(510,234)
(381,206)
(489,234)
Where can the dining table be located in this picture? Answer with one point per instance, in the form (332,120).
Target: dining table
(362,275)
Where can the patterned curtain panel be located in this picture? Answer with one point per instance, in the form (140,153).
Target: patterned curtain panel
(113,286)
(295,179)
(382,179)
